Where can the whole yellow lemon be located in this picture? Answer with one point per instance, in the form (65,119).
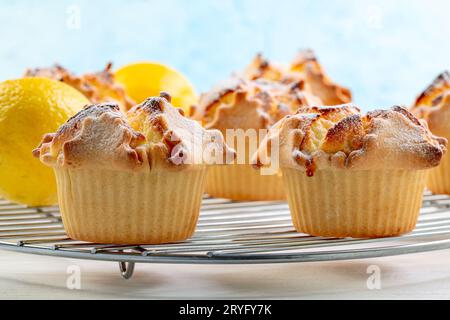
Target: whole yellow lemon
(147,79)
(30,108)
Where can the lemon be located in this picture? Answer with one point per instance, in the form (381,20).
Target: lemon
(30,108)
(147,79)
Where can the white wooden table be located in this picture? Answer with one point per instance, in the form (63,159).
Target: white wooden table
(425,275)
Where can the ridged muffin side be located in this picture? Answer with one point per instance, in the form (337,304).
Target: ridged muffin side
(353,175)
(108,206)
(134,178)
(250,103)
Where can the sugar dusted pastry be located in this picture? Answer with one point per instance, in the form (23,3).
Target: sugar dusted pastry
(238,105)
(433,105)
(305,67)
(97,87)
(131,178)
(353,175)
(255,99)
(261,68)
(307,64)
(275,99)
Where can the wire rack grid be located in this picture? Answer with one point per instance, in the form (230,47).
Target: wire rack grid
(227,233)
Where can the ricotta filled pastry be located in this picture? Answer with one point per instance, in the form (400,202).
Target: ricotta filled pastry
(131,178)
(246,105)
(244,111)
(349,174)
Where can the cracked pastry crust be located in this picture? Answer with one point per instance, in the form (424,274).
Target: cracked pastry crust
(264,93)
(97,87)
(238,103)
(433,105)
(152,134)
(261,68)
(305,67)
(321,85)
(341,137)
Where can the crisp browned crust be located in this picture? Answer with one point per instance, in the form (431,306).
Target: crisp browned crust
(150,135)
(261,68)
(305,67)
(265,92)
(209,101)
(107,89)
(97,87)
(440,85)
(342,138)
(57,72)
(245,104)
(303,58)
(98,135)
(321,85)
(281,99)
(433,105)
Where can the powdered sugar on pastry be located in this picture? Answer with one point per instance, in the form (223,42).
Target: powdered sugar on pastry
(98,135)
(242,104)
(305,67)
(342,138)
(153,133)
(97,87)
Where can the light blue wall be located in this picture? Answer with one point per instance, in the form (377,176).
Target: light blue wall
(386,51)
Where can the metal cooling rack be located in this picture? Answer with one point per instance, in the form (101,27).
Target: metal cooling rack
(227,233)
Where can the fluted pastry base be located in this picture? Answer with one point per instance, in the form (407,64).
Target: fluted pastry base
(106,206)
(358,204)
(243,183)
(438,180)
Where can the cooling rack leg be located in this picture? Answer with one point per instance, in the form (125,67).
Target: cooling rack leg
(126,269)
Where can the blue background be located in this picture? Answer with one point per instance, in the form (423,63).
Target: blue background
(385,51)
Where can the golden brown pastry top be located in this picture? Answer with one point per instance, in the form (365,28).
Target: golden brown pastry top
(305,67)
(265,92)
(238,103)
(261,68)
(341,137)
(321,85)
(152,134)
(439,86)
(433,105)
(97,87)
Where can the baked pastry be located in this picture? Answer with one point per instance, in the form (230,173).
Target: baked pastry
(97,87)
(250,103)
(353,175)
(433,105)
(305,67)
(131,178)
(243,111)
